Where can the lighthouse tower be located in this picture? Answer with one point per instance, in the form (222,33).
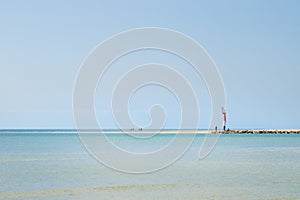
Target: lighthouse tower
(224,118)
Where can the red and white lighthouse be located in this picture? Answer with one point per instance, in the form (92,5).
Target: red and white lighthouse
(224,118)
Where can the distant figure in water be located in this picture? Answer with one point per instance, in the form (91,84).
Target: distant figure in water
(216,128)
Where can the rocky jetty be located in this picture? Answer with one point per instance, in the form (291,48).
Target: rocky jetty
(261,132)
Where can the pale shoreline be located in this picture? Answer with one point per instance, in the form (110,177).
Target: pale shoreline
(165,131)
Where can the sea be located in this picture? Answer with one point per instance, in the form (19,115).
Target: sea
(55,164)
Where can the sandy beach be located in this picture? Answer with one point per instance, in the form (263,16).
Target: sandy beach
(150,191)
(155,191)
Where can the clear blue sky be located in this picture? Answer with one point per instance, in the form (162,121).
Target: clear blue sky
(255,44)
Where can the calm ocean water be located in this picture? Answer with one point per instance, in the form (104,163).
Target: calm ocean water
(57,166)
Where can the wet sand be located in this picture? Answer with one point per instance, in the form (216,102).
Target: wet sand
(150,191)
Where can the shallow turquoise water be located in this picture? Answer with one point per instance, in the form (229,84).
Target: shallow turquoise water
(240,166)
